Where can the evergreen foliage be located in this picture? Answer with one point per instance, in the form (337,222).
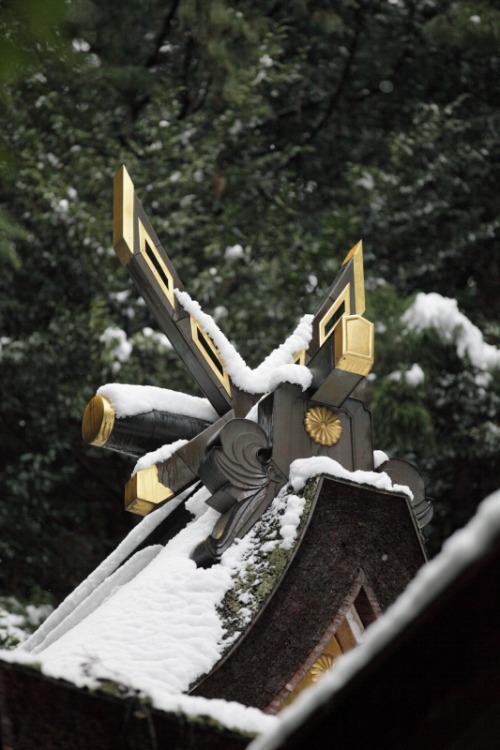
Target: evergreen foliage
(264,138)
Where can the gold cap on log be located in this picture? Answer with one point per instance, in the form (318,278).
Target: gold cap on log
(98,421)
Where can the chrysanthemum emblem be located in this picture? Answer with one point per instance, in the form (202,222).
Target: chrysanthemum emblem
(320,666)
(323,426)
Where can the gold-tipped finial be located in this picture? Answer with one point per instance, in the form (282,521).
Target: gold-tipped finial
(354,344)
(123,216)
(144,491)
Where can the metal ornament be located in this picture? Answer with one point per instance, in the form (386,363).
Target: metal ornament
(323,664)
(243,463)
(243,479)
(98,421)
(323,426)
(144,491)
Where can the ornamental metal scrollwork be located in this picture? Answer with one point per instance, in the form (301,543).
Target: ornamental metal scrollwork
(243,479)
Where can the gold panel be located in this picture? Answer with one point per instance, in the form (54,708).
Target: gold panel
(98,421)
(356,255)
(210,354)
(323,426)
(344,299)
(156,263)
(354,345)
(123,216)
(144,491)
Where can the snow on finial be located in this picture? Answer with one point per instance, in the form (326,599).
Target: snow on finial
(278,366)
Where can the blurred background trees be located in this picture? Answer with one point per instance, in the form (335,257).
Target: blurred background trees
(264,138)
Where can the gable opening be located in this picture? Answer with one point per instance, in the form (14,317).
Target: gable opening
(347,630)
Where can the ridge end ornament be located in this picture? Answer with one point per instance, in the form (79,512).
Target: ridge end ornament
(242,462)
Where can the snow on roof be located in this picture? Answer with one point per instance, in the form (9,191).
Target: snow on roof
(159,455)
(459,551)
(151,626)
(303,468)
(442,313)
(135,537)
(128,400)
(278,366)
(151,621)
(228,714)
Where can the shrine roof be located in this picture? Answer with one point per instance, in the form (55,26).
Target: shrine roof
(460,552)
(139,604)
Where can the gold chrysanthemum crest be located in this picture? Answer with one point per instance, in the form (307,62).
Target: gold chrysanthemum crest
(320,666)
(323,426)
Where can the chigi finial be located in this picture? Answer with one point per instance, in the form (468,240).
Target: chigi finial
(242,458)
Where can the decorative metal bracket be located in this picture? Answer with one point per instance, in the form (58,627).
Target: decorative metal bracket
(243,479)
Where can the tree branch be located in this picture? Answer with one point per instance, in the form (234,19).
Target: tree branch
(186,100)
(334,99)
(154,57)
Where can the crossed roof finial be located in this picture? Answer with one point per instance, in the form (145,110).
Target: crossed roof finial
(243,462)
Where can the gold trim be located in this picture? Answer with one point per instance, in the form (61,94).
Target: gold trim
(145,241)
(300,358)
(354,345)
(98,421)
(322,426)
(211,357)
(123,216)
(220,526)
(356,255)
(343,298)
(144,491)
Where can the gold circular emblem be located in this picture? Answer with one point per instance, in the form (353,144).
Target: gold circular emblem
(323,426)
(320,666)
